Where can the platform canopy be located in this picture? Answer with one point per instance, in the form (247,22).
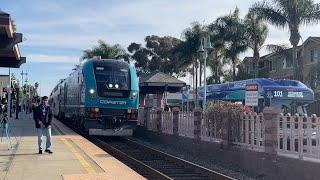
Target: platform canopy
(158,82)
(9,49)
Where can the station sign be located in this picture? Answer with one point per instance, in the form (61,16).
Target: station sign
(252,94)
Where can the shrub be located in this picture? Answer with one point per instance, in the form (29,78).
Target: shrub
(214,114)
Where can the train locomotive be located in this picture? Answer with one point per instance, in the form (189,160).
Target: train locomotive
(101,96)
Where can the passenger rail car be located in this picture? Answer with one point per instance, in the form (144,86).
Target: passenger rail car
(101,96)
(288,96)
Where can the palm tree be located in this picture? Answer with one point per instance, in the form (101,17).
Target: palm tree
(256,33)
(106,51)
(232,29)
(291,14)
(216,58)
(190,46)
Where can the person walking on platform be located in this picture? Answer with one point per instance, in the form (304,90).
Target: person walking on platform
(42,116)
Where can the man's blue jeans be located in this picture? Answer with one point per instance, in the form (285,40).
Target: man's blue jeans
(47,132)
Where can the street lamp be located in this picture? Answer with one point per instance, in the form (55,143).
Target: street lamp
(27,96)
(203,50)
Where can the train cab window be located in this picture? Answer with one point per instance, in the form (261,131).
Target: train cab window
(103,77)
(112,81)
(120,77)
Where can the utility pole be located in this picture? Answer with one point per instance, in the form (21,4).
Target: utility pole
(27,96)
(9,96)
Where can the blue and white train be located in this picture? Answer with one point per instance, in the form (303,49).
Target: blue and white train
(101,96)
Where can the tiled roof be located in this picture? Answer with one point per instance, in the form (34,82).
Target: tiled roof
(159,77)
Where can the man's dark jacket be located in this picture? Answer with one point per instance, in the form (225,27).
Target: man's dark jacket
(37,116)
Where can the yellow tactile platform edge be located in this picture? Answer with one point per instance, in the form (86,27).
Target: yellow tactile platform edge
(113,168)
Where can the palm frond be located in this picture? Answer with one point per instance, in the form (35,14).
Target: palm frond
(270,13)
(277,48)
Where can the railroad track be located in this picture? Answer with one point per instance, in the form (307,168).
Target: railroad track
(170,167)
(149,162)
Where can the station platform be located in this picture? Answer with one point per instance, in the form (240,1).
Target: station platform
(73,158)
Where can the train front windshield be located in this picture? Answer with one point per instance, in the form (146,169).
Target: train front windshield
(289,106)
(112,81)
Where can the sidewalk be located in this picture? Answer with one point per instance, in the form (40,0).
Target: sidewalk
(73,156)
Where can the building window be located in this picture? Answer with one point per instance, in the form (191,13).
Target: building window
(254,66)
(313,55)
(286,63)
(272,65)
(261,64)
(247,69)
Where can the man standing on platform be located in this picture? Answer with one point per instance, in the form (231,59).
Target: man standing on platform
(43,119)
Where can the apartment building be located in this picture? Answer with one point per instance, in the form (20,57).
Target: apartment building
(280,65)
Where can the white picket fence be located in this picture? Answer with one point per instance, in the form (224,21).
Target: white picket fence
(210,130)
(251,132)
(186,124)
(298,136)
(167,122)
(152,121)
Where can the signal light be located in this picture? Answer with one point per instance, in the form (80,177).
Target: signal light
(96,115)
(91,115)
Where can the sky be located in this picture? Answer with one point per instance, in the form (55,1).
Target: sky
(56,32)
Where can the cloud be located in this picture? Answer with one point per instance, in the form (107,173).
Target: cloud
(117,22)
(40,58)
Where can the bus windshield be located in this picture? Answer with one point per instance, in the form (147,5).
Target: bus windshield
(288,106)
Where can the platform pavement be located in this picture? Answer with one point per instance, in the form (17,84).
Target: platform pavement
(73,156)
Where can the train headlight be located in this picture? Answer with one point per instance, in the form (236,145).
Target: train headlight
(110,85)
(91,91)
(117,86)
(134,94)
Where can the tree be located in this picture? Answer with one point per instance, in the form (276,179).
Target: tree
(256,33)
(36,85)
(313,77)
(216,58)
(289,14)
(14,26)
(232,29)
(157,55)
(106,51)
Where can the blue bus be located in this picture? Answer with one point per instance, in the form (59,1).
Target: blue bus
(288,96)
(101,96)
